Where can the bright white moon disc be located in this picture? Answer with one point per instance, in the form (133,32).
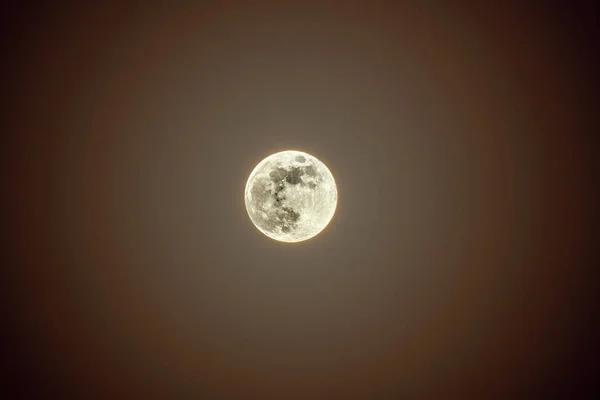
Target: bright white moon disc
(291,196)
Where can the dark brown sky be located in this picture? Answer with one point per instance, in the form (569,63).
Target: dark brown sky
(458,264)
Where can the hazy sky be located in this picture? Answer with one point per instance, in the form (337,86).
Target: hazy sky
(457,265)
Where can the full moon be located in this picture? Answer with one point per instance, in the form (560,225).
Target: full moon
(291,196)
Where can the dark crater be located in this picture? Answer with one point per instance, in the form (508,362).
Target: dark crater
(279,188)
(286,218)
(279,195)
(278,174)
(310,170)
(290,214)
(294,176)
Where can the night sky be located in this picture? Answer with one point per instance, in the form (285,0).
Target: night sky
(459,263)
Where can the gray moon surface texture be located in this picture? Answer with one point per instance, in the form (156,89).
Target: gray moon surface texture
(291,196)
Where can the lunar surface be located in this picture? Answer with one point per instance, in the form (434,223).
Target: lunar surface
(291,196)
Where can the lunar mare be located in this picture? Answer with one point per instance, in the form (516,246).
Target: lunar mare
(291,196)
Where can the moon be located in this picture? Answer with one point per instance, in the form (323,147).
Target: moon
(291,196)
